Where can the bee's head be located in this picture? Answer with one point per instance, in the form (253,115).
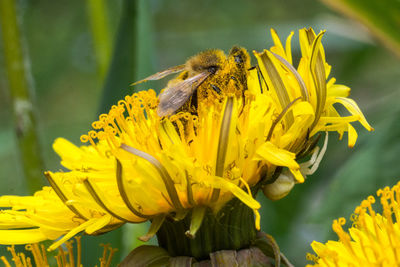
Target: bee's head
(210,61)
(240,57)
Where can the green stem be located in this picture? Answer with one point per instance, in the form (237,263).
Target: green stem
(21,91)
(124,59)
(132,53)
(99,23)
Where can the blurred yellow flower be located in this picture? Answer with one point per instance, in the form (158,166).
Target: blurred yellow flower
(140,166)
(64,258)
(373,240)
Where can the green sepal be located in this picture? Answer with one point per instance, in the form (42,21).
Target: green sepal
(251,257)
(179,215)
(267,244)
(181,262)
(154,227)
(206,263)
(196,220)
(146,256)
(224,258)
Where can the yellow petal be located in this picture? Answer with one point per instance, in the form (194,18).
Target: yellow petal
(65,148)
(19,237)
(278,48)
(352,135)
(75,231)
(337,89)
(353,108)
(289,48)
(223,184)
(276,156)
(297,175)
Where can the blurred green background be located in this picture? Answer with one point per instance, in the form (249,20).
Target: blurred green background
(147,36)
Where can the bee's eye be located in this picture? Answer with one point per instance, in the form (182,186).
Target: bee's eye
(212,69)
(238,59)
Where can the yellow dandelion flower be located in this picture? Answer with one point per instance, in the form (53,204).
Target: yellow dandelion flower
(373,240)
(64,258)
(140,166)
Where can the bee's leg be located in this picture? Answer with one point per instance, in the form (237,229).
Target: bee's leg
(194,102)
(242,87)
(216,89)
(261,77)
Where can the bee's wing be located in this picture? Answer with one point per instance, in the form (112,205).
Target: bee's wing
(162,74)
(173,97)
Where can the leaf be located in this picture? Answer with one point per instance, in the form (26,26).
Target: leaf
(381,17)
(372,167)
(131,55)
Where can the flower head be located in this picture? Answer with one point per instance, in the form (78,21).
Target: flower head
(141,166)
(373,240)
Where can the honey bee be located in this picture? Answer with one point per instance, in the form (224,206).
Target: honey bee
(209,74)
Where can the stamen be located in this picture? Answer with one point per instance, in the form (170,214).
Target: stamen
(103,259)
(223,144)
(124,196)
(169,183)
(15,257)
(70,253)
(40,260)
(58,259)
(98,200)
(110,256)
(5,261)
(43,255)
(61,195)
(23,259)
(62,256)
(89,137)
(163,122)
(177,120)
